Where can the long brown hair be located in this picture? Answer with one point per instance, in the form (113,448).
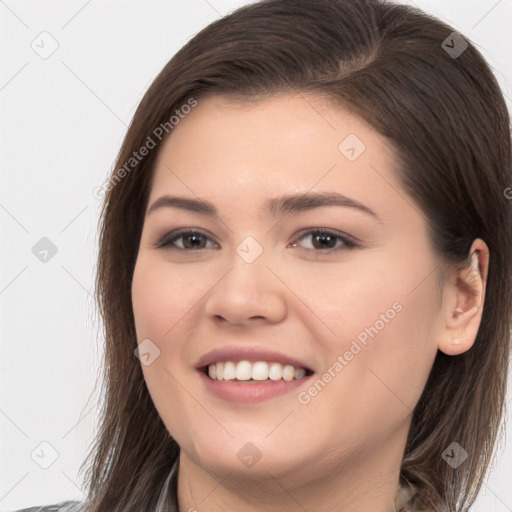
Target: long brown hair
(445,116)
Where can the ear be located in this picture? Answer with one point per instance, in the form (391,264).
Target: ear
(463,301)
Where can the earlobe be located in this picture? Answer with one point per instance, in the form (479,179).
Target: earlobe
(464,301)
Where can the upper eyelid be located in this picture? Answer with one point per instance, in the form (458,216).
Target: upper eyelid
(177,233)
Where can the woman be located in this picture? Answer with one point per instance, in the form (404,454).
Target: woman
(303,265)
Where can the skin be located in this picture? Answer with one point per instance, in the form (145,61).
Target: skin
(342,450)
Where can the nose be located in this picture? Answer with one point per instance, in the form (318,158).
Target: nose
(247,293)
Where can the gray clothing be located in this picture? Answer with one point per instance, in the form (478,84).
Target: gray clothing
(167,501)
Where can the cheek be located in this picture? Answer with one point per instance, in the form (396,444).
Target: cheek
(344,299)
(384,331)
(161,301)
(400,348)
(161,296)
(376,376)
(387,298)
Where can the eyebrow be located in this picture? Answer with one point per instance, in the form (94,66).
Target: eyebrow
(282,205)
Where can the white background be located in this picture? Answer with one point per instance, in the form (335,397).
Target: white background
(62,121)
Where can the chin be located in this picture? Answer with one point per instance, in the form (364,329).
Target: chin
(259,459)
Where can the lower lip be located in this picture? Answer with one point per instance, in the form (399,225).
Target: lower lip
(250,392)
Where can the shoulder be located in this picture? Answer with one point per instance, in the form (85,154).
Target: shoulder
(63,506)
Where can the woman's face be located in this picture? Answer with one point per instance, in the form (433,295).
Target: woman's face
(357,305)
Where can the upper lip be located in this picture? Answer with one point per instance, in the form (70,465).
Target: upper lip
(252,354)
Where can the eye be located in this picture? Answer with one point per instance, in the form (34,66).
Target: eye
(325,240)
(186,240)
(320,240)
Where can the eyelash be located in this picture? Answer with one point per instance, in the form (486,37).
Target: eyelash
(170,238)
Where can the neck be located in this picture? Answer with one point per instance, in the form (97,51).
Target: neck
(368,480)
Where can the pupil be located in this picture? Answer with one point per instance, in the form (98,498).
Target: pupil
(324,238)
(196,240)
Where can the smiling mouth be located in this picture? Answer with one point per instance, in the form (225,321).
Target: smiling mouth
(254,371)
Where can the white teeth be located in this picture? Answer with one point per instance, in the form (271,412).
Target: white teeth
(260,370)
(275,371)
(219,370)
(229,371)
(257,371)
(243,370)
(288,372)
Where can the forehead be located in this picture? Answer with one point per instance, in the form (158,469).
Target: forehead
(287,140)
(241,156)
